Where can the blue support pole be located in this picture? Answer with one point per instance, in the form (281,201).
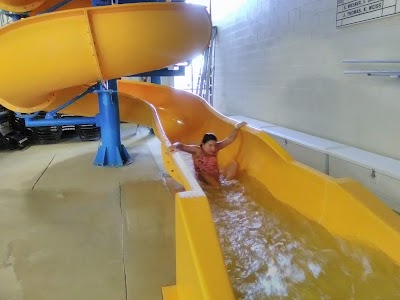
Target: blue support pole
(15,17)
(53,112)
(59,122)
(50,120)
(101,2)
(156,79)
(111,152)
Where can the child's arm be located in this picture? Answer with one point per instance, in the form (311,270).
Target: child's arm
(192,149)
(226,142)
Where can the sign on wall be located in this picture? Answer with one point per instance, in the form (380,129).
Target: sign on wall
(355,11)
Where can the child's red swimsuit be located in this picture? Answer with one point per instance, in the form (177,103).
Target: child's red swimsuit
(207,164)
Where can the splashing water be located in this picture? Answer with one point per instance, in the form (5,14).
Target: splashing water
(273,252)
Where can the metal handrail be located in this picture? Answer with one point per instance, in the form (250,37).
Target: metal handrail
(391,74)
(374,61)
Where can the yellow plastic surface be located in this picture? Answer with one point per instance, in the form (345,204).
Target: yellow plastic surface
(52,58)
(169,292)
(20,6)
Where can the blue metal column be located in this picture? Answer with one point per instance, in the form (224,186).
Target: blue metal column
(111,152)
(101,2)
(156,79)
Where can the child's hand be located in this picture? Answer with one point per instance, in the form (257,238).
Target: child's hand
(172,148)
(240,125)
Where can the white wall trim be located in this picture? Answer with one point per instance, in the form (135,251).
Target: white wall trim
(378,173)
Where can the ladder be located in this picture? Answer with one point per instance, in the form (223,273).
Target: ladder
(205,80)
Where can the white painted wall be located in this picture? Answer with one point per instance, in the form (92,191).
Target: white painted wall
(169,81)
(280,61)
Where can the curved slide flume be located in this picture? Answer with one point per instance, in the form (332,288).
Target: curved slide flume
(51,52)
(52,58)
(342,206)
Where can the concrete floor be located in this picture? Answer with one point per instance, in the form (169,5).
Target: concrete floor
(70,230)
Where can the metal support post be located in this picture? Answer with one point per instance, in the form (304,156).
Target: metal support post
(111,152)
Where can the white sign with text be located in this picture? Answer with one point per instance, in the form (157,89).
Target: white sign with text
(356,11)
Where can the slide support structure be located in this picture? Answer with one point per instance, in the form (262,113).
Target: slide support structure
(155,79)
(111,152)
(50,119)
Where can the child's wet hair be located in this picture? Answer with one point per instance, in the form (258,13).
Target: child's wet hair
(208,137)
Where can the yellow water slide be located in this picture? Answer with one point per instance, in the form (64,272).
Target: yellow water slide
(52,58)
(51,52)
(342,206)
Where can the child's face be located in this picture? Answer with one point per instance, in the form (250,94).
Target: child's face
(210,147)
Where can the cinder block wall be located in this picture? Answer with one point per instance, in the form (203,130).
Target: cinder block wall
(281,62)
